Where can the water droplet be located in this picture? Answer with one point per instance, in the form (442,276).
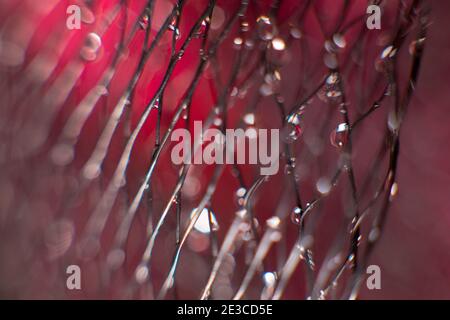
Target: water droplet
(351,257)
(91,171)
(328,45)
(295,33)
(332,79)
(323,185)
(87,16)
(144,22)
(339,136)
(330,60)
(296,215)
(238,42)
(293,128)
(388,52)
(393,121)
(249,118)
(202,224)
(274,222)
(173,27)
(245,26)
(266,89)
(249,44)
(201,32)
(273,77)
(339,40)
(91,47)
(278,44)
(62,154)
(242,214)
(374,234)
(240,195)
(217,121)
(269,279)
(333,94)
(156,104)
(394,191)
(266,29)
(290,166)
(416,45)
(141,273)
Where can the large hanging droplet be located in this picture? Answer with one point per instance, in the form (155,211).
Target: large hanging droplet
(206,222)
(339,136)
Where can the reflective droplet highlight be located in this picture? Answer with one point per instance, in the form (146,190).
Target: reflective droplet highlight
(203,222)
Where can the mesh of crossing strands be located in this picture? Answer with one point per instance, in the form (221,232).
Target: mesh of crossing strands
(87,117)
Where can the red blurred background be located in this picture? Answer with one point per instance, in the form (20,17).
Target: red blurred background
(413,252)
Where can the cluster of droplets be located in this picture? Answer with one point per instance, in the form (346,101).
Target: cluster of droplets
(91,47)
(240,196)
(244,39)
(332,48)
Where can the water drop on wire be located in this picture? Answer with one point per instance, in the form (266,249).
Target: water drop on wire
(339,136)
(296,215)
